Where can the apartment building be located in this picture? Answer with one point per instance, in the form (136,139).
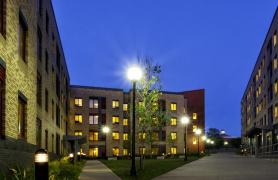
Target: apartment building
(34,81)
(92,108)
(259,104)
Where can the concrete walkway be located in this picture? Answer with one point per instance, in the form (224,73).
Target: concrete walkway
(225,166)
(95,170)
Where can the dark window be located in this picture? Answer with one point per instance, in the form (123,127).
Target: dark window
(23,29)
(39,43)
(52,143)
(46,100)
(39,133)
(22,124)
(46,22)
(3,17)
(57,144)
(39,89)
(57,116)
(46,139)
(103,118)
(162,105)
(40,7)
(58,86)
(58,56)
(2,101)
(103,102)
(46,61)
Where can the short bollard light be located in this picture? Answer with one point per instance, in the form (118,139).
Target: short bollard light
(41,165)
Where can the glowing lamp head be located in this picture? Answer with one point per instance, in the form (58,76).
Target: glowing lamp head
(105,129)
(211,142)
(134,73)
(208,141)
(204,138)
(71,155)
(185,120)
(198,132)
(41,156)
(226,143)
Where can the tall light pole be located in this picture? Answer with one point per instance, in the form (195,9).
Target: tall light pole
(105,130)
(134,74)
(198,132)
(185,121)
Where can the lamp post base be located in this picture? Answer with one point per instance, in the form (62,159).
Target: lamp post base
(132,172)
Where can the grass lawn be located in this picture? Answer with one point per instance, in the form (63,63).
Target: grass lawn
(152,167)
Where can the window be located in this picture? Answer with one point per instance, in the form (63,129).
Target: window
(125,107)
(155,136)
(194,127)
(46,100)
(23,29)
(52,109)
(93,136)
(46,139)
(93,119)
(78,133)
(40,7)
(173,106)
(93,103)
(275,87)
(39,44)
(46,61)
(22,120)
(93,152)
(58,116)
(57,144)
(125,122)
(194,116)
(276,111)
(57,86)
(173,150)
(125,152)
(2,102)
(39,133)
(173,121)
(39,89)
(52,143)
(58,56)
(142,136)
(275,63)
(125,136)
(115,119)
(142,150)
(155,150)
(3,17)
(173,135)
(46,22)
(115,135)
(116,151)
(78,102)
(78,118)
(115,104)
(275,39)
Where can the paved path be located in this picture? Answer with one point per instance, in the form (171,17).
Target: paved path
(225,166)
(95,170)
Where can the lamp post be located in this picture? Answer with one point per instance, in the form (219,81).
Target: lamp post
(134,74)
(41,165)
(106,130)
(185,120)
(198,132)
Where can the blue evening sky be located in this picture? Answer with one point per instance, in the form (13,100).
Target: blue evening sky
(199,43)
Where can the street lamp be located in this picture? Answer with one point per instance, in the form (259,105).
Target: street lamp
(198,132)
(105,130)
(133,74)
(41,165)
(185,120)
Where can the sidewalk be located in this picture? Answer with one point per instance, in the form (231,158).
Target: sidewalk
(95,170)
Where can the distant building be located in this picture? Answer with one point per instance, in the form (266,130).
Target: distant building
(259,104)
(93,108)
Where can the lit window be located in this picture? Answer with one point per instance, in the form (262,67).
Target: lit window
(93,152)
(155,136)
(142,136)
(276,111)
(142,150)
(125,152)
(125,122)
(194,128)
(274,39)
(93,136)
(173,150)
(275,62)
(125,136)
(115,120)
(93,119)
(115,136)
(78,102)
(116,151)
(275,87)
(194,140)
(194,116)
(115,104)
(173,135)
(93,103)
(78,118)
(173,106)
(173,121)
(125,107)
(78,133)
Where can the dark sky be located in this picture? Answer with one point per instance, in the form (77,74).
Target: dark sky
(199,43)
